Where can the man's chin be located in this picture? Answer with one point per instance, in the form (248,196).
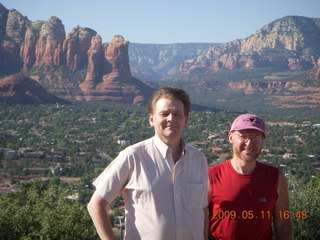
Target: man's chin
(250,157)
(172,134)
(171,129)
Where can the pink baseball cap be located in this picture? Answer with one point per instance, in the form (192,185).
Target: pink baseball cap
(248,121)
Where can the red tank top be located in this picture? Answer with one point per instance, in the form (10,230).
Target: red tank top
(241,206)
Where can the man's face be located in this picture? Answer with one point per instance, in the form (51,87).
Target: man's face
(246,144)
(168,119)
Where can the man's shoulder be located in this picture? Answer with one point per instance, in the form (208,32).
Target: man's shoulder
(193,151)
(218,166)
(191,148)
(137,146)
(219,170)
(267,167)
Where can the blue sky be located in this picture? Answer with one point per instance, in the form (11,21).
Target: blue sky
(167,21)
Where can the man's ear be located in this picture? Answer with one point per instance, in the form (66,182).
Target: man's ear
(230,137)
(151,120)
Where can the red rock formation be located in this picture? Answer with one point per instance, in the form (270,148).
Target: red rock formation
(285,43)
(28,46)
(49,51)
(95,64)
(24,90)
(116,82)
(58,62)
(229,61)
(76,46)
(313,76)
(12,28)
(15,29)
(255,87)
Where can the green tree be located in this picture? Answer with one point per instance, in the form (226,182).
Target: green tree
(305,205)
(44,211)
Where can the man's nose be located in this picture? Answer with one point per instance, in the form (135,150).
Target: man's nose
(170,117)
(250,141)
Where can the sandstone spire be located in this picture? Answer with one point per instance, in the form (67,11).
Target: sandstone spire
(112,81)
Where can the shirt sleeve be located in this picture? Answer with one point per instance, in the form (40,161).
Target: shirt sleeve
(112,180)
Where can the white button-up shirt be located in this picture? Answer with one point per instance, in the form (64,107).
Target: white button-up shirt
(163,200)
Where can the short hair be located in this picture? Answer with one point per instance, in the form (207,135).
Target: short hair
(170,93)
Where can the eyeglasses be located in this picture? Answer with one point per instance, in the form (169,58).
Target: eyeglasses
(244,138)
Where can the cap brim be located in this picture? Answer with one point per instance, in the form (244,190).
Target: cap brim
(251,128)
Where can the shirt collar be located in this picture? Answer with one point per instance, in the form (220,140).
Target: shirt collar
(163,148)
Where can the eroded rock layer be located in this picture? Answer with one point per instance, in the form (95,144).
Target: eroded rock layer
(78,66)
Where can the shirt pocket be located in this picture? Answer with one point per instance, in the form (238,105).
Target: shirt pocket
(195,194)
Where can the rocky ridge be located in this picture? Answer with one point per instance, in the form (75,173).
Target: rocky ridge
(291,42)
(275,84)
(78,66)
(284,94)
(156,61)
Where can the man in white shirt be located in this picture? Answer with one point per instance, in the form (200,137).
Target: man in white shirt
(163,180)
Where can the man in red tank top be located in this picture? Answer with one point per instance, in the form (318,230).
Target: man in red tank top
(247,196)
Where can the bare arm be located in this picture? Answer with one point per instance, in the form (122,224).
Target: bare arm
(283,227)
(97,210)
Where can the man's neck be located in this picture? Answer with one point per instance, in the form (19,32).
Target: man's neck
(243,167)
(177,153)
(176,147)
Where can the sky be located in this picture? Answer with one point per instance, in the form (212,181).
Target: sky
(166,21)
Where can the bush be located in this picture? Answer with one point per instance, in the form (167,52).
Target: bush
(44,211)
(307,199)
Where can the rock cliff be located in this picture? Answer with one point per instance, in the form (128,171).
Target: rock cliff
(283,93)
(264,87)
(291,42)
(12,28)
(108,74)
(314,74)
(76,46)
(77,67)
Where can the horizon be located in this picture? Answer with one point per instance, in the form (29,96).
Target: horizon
(167,22)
